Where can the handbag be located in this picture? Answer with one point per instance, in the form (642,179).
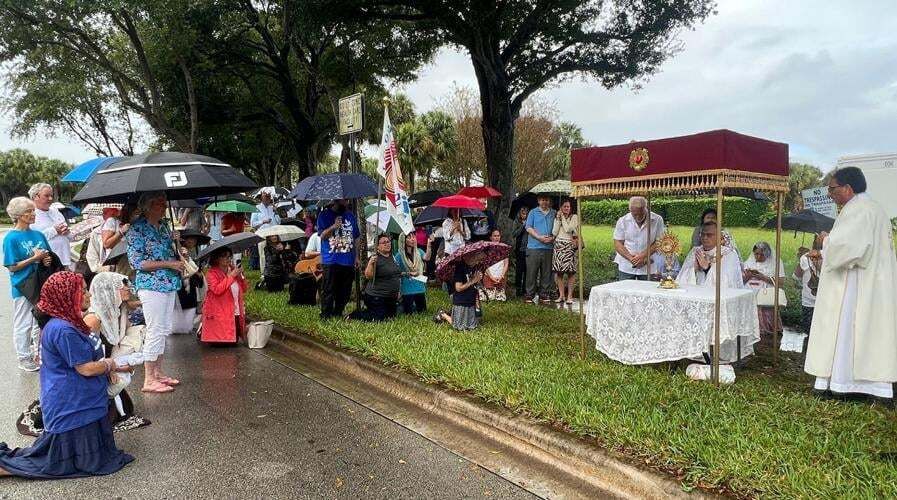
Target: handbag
(258,334)
(766,297)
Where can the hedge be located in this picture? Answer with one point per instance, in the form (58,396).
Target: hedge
(737,212)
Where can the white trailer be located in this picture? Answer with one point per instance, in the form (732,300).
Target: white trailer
(881,177)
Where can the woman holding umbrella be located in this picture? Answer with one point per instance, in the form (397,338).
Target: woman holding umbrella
(158,278)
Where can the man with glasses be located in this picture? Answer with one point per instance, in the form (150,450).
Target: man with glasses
(699,267)
(853,336)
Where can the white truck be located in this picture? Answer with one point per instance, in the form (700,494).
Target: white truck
(881,177)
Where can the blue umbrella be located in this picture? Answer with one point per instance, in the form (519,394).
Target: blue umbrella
(84,171)
(336,186)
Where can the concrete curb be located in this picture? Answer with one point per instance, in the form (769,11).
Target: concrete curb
(565,453)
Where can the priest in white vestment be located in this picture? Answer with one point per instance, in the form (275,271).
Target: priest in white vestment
(699,268)
(853,337)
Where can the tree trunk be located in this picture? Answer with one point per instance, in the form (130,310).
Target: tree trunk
(498,133)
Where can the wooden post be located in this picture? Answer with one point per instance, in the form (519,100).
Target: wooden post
(778,256)
(582,303)
(718,264)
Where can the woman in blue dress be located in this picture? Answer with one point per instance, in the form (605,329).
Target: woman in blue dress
(77,440)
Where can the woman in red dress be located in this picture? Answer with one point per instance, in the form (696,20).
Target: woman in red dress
(223,314)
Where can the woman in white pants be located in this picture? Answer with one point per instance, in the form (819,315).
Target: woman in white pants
(158,278)
(23,250)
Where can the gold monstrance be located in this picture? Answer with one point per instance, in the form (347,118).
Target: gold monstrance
(668,245)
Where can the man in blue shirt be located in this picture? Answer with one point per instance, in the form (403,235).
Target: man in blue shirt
(539,250)
(338,229)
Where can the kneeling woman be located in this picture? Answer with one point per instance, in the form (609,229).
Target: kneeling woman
(381,294)
(223,315)
(77,440)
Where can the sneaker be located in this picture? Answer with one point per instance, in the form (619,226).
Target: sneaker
(528,300)
(28,365)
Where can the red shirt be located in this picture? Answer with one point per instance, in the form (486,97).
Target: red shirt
(232,223)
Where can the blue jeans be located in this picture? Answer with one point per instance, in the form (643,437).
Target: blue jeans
(626,276)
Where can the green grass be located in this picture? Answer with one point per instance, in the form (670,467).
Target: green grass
(764,436)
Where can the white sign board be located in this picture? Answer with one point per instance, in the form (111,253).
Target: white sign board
(880,171)
(351,114)
(818,200)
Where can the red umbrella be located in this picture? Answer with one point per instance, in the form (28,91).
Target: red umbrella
(480,192)
(492,252)
(459,201)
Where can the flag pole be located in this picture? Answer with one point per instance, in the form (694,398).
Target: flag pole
(380,208)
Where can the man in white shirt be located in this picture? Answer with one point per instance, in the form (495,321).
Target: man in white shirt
(266,216)
(313,247)
(51,222)
(631,240)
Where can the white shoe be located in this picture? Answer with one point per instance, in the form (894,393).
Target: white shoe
(28,365)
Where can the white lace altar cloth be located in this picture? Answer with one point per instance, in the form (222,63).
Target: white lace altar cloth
(637,322)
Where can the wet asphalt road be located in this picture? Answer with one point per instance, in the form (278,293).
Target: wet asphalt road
(244,426)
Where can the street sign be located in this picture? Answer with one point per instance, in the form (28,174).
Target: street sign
(351,114)
(818,200)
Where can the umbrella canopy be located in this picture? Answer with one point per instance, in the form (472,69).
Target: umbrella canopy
(426,198)
(96,209)
(117,252)
(81,230)
(276,192)
(480,192)
(236,242)
(85,171)
(227,197)
(806,221)
(285,232)
(528,200)
(337,186)
(558,187)
(492,252)
(435,215)
(382,220)
(459,201)
(179,175)
(232,206)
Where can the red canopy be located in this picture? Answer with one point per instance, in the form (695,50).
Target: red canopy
(459,201)
(480,192)
(707,151)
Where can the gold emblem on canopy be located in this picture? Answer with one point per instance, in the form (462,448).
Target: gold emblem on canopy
(638,159)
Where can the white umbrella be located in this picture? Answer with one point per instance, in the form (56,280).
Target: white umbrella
(96,209)
(283,231)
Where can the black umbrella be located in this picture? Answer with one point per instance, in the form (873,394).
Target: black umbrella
(528,200)
(179,175)
(201,239)
(236,242)
(435,215)
(185,204)
(806,221)
(426,198)
(338,186)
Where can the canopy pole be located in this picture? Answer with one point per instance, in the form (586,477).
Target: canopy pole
(776,317)
(582,303)
(718,264)
(648,222)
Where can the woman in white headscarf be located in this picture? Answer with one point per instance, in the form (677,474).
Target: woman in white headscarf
(108,315)
(760,274)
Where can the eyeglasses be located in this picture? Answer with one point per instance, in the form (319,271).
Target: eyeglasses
(832,188)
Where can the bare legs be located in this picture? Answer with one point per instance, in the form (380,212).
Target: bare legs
(566,284)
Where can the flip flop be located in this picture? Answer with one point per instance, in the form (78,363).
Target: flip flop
(169,381)
(160,389)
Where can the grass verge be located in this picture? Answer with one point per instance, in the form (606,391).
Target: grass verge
(764,436)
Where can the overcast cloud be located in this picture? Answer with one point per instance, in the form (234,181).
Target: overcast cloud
(821,76)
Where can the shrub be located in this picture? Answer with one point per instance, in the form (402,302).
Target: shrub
(737,212)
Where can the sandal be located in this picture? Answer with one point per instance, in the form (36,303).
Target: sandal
(157,388)
(569,302)
(558,300)
(438,318)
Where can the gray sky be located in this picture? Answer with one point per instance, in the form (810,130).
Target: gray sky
(819,75)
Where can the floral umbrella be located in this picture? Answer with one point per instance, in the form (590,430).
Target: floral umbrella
(492,253)
(559,187)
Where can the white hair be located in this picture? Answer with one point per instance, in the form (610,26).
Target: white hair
(145,199)
(18,206)
(639,201)
(35,189)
